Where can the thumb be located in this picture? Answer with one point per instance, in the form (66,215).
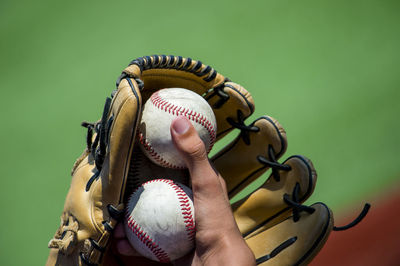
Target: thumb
(193,151)
(210,198)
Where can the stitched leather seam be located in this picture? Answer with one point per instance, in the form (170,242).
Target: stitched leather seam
(146,144)
(186,210)
(161,255)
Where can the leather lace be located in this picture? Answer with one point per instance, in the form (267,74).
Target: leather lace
(195,67)
(244,129)
(359,218)
(218,91)
(295,205)
(99,146)
(273,163)
(276,250)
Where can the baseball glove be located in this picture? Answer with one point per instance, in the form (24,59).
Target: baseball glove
(277,227)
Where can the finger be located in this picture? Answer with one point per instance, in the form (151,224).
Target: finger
(125,248)
(221,181)
(119,231)
(223,186)
(122,243)
(191,147)
(214,218)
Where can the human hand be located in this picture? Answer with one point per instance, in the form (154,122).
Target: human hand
(218,239)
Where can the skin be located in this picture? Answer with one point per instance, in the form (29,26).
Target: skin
(218,239)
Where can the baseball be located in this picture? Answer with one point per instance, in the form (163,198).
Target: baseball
(159,111)
(159,221)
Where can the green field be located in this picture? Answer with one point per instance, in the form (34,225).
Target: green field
(327,70)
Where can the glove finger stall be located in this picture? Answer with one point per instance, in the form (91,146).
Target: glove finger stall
(266,206)
(230,101)
(306,237)
(238,162)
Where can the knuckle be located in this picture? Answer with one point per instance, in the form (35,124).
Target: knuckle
(197,151)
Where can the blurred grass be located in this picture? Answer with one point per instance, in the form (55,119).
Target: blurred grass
(327,70)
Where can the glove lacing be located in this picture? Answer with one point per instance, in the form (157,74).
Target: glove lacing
(219,91)
(171,62)
(244,129)
(97,149)
(99,146)
(273,163)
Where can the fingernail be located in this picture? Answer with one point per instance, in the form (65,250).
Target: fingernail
(181,125)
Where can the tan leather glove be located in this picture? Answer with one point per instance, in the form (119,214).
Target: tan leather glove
(100,176)
(278,229)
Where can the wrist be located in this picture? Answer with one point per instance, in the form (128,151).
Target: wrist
(228,248)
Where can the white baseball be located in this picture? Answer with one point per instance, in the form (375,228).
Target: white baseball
(159,111)
(159,220)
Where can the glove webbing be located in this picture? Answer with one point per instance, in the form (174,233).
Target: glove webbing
(171,62)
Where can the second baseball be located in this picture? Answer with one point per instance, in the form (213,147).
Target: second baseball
(160,222)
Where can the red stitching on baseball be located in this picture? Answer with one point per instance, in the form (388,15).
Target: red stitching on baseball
(154,154)
(186,210)
(193,115)
(161,255)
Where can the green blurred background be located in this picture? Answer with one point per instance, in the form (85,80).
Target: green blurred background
(327,70)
